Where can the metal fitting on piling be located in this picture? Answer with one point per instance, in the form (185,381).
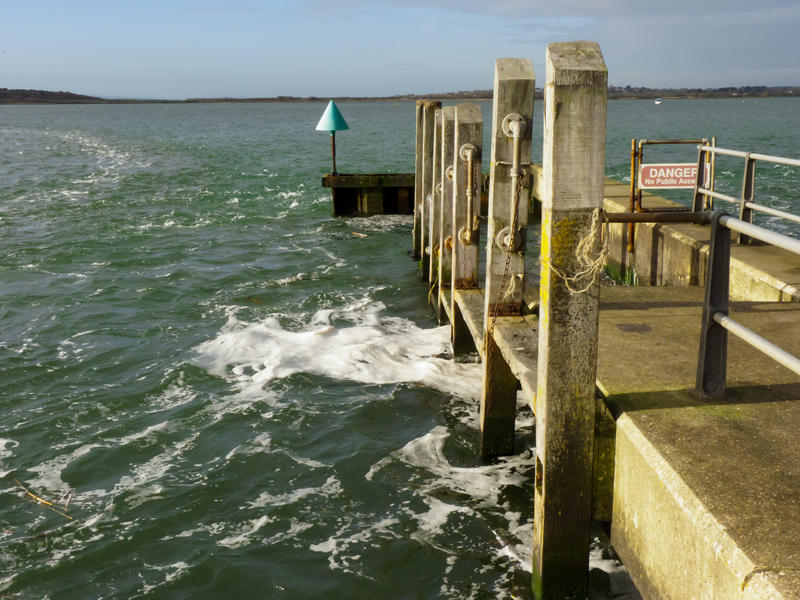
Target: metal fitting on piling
(513,126)
(467,153)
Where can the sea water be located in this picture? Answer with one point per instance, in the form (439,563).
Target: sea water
(223,392)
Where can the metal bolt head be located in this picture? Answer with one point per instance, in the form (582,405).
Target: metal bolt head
(464,151)
(514,124)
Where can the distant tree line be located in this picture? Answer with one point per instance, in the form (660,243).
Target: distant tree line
(747,91)
(9,96)
(42,97)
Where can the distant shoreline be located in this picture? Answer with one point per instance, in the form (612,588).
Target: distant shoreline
(42,97)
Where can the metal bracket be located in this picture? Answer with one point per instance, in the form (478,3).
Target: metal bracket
(504,238)
(448,172)
(465,150)
(513,125)
(448,243)
(469,236)
(439,188)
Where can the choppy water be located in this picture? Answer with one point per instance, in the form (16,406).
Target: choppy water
(237,396)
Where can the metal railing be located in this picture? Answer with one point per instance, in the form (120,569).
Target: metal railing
(704,191)
(713,356)
(637,161)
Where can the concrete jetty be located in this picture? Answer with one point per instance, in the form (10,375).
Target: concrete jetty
(701,491)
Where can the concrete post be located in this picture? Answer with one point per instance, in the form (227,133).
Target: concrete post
(428,109)
(418,154)
(573,163)
(467,148)
(509,199)
(445,257)
(435,206)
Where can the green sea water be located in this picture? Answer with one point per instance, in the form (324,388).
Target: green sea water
(237,397)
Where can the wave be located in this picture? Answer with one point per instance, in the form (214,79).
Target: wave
(355,343)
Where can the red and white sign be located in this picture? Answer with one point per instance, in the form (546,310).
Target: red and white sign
(671,175)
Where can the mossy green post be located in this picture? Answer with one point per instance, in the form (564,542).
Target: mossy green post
(573,163)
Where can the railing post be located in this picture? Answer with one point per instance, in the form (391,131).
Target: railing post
(713,356)
(573,171)
(509,199)
(445,258)
(467,148)
(418,157)
(428,109)
(436,191)
(748,191)
(700,201)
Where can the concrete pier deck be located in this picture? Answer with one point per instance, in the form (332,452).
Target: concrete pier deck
(706,495)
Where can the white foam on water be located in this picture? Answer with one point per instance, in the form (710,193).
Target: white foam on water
(621,586)
(331,487)
(378,223)
(171,573)
(6,451)
(482,485)
(48,479)
(257,445)
(176,394)
(355,343)
(338,545)
(245,536)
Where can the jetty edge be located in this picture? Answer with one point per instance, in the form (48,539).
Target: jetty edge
(647,417)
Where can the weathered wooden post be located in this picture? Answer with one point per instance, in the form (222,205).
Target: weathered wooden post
(509,199)
(428,109)
(467,147)
(573,163)
(418,154)
(434,215)
(445,257)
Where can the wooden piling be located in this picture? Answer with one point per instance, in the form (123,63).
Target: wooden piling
(509,199)
(417,232)
(428,109)
(573,163)
(445,257)
(433,215)
(467,148)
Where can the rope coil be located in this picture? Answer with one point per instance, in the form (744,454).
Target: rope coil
(589,266)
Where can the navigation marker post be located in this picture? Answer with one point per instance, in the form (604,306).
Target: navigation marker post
(332,121)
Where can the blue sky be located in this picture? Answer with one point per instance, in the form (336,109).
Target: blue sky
(243,48)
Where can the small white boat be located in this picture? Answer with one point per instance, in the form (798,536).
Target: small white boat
(658,101)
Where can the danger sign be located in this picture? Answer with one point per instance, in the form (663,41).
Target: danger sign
(673,175)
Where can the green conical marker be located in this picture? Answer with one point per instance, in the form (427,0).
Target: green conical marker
(332,121)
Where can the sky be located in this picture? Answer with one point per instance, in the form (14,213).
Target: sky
(175,49)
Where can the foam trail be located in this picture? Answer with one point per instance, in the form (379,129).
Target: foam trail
(371,348)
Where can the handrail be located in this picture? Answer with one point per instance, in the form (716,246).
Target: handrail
(781,160)
(712,358)
(761,233)
(704,190)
